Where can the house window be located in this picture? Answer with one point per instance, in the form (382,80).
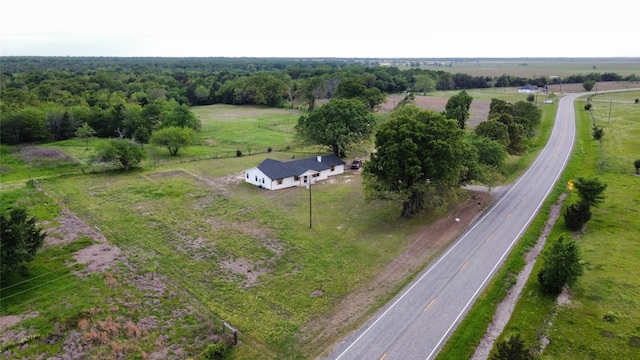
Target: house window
(256,178)
(333,168)
(279,181)
(247,176)
(263,180)
(296,178)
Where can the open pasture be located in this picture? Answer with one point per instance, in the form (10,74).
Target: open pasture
(534,68)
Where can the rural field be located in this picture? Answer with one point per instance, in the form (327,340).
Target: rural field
(147,263)
(534,68)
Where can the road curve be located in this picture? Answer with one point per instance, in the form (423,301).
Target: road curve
(418,321)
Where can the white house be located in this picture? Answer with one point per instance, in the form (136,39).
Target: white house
(274,175)
(528,89)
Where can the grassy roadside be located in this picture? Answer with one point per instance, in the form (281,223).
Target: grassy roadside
(609,288)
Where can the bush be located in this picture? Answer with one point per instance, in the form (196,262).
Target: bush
(215,351)
(577,215)
(561,266)
(587,106)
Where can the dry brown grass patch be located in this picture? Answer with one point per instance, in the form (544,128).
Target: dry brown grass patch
(133,331)
(109,326)
(110,279)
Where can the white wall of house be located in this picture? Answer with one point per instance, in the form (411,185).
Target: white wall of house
(256,177)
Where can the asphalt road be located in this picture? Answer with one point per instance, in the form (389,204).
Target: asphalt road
(416,323)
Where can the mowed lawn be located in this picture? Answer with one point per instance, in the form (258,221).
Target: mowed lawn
(227,128)
(602,318)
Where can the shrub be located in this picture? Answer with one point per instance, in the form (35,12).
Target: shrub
(577,215)
(587,106)
(561,266)
(512,349)
(215,351)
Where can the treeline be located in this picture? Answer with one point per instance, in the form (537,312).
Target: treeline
(47,98)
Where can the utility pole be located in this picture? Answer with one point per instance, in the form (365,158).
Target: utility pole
(309,187)
(610,103)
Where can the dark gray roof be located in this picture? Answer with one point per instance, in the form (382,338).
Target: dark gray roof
(275,169)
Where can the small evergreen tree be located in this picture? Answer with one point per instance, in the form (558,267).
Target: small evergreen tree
(577,215)
(512,349)
(20,238)
(561,266)
(636,164)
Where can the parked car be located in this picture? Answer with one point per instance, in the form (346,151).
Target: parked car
(356,164)
(548,101)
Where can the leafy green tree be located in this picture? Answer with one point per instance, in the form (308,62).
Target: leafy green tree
(528,115)
(590,190)
(126,152)
(350,88)
(588,85)
(490,152)
(85,132)
(457,108)
(561,266)
(424,83)
(531,98)
(372,97)
(636,164)
(516,131)
(173,138)
(494,130)
(497,107)
(20,239)
(180,116)
(338,125)
(417,153)
(512,349)
(26,125)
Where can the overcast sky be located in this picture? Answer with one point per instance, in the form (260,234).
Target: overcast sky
(327,28)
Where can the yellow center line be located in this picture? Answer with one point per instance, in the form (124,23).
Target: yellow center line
(490,237)
(464,266)
(508,216)
(427,307)
(523,197)
(383,356)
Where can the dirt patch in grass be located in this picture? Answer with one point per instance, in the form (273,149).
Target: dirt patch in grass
(38,155)
(319,334)
(67,228)
(479,108)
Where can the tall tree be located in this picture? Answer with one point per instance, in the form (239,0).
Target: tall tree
(457,108)
(338,125)
(418,152)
